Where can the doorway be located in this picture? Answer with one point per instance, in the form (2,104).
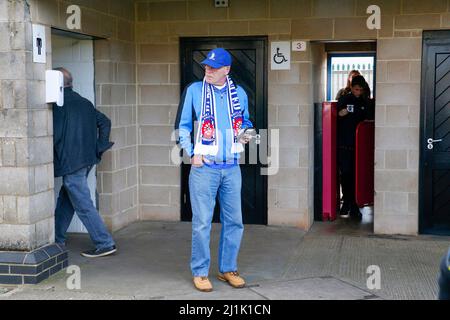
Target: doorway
(332,63)
(249,70)
(76,53)
(434,199)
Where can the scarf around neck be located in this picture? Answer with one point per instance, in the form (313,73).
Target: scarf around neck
(206,140)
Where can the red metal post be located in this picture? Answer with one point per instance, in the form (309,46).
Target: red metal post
(329,175)
(365,163)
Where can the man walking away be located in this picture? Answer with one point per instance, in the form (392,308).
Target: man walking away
(80,137)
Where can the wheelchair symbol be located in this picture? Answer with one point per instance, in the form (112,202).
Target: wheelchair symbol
(279,58)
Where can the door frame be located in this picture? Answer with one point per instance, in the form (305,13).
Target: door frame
(184,41)
(430,37)
(318,165)
(76,225)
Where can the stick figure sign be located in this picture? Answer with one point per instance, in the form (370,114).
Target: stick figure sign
(280,55)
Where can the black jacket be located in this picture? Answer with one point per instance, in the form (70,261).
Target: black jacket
(80,134)
(346,126)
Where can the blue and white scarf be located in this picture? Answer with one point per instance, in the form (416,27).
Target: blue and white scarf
(206,141)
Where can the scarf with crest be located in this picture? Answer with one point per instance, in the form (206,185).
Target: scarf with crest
(206,140)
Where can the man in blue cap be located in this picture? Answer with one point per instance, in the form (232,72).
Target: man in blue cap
(221,109)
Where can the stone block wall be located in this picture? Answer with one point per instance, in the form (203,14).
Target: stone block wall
(137,86)
(26,144)
(112,22)
(159,24)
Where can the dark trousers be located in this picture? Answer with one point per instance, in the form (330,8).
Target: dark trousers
(346,165)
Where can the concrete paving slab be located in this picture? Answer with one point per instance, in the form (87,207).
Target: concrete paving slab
(220,292)
(324,288)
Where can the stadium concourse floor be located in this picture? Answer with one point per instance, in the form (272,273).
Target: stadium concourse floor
(330,261)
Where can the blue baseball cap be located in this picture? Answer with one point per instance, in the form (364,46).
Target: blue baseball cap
(218,58)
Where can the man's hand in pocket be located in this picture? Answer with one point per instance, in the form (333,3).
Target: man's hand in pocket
(197,160)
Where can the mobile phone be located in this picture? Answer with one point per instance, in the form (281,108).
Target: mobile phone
(247,134)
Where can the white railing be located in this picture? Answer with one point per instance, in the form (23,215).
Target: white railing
(339,75)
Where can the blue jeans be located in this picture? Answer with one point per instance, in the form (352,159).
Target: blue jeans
(75,196)
(204,184)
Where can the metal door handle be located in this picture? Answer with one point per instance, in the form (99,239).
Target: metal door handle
(431,142)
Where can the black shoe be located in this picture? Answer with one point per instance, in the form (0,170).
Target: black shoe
(344,209)
(95,253)
(355,214)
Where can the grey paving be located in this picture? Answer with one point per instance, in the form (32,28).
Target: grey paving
(328,262)
(317,288)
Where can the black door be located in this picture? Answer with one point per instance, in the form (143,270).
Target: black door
(435,134)
(248,71)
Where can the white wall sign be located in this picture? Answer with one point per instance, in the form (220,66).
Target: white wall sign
(298,45)
(39,44)
(280,55)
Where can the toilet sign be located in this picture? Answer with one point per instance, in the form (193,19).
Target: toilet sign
(39,44)
(280,54)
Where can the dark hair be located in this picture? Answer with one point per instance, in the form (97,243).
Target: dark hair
(68,80)
(352,73)
(359,81)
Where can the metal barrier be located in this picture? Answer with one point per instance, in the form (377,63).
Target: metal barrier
(364,168)
(329,177)
(365,163)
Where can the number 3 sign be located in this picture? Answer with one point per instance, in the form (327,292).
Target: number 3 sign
(298,45)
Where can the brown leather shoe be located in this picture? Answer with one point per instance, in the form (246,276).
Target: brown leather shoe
(203,284)
(233,278)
